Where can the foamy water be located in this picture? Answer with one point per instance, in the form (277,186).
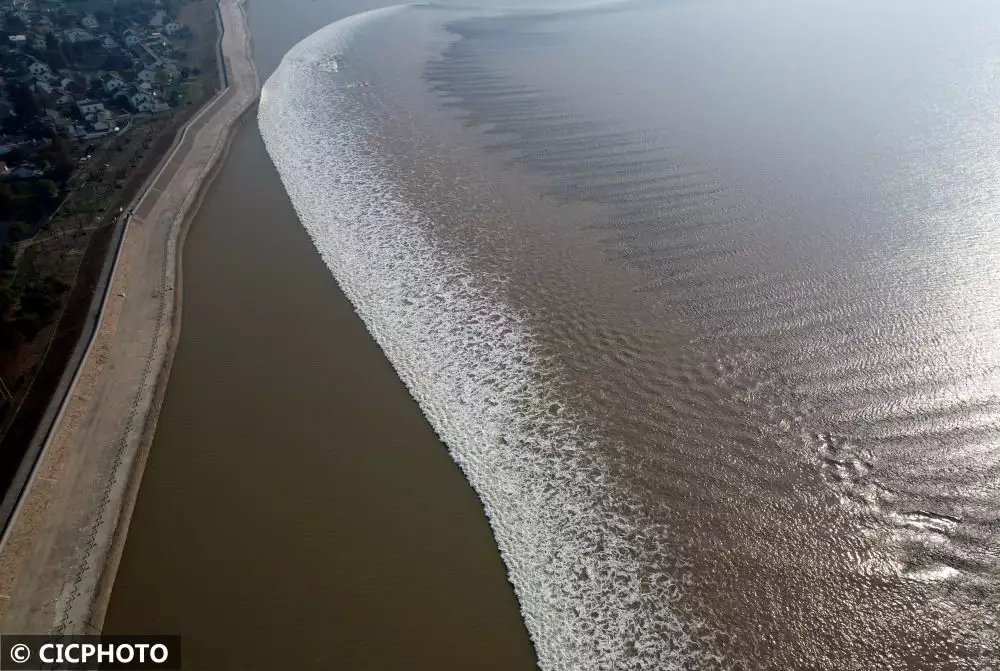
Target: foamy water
(756,428)
(592,591)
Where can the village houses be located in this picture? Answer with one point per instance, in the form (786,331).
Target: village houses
(89,108)
(77,35)
(74,95)
(39,69)
(111,82)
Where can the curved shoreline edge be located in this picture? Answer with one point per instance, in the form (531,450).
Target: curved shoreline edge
(60,552)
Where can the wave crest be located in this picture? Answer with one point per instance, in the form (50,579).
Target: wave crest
(592,591)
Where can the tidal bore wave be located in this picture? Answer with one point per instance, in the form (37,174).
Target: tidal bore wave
(724,394)
(593,590)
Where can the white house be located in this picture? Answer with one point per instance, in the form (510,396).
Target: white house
(42,86)
(18,41)
(171,68)
(39,69)
(89,22)
(76,35)
(88,107)
(141,102)
(112,83)
(109,42)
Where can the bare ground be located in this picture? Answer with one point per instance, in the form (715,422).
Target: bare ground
(59,554)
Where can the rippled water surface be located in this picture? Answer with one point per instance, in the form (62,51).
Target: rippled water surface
(703,298)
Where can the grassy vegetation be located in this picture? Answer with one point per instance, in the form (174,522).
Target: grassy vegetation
(28,301)
(181,93)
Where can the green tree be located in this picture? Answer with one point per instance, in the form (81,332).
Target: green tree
(7,298)
(7,256)
(45,190)
(18,231)
(54,59)
(60,154)
(7,200)
(25,105)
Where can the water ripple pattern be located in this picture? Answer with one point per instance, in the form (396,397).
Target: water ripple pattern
(591,587)
(848,310)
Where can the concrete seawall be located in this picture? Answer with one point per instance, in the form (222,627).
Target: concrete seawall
(60,552)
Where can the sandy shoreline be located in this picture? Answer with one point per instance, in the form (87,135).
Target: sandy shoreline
(297,509)
(60,553)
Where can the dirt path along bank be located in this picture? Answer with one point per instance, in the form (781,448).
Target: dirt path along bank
(59,555)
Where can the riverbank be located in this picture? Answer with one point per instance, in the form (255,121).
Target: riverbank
(60,552)
(77,249)
(297,510)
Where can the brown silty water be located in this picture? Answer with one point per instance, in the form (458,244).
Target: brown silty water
(749,317)
(297,511)
(754,423)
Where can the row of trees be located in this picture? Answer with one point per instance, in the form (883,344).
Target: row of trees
(27,200)
(29,302)
(25,307)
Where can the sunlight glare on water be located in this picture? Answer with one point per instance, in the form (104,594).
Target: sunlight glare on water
(703,298)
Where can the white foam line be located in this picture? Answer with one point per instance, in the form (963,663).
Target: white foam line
(592,591)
